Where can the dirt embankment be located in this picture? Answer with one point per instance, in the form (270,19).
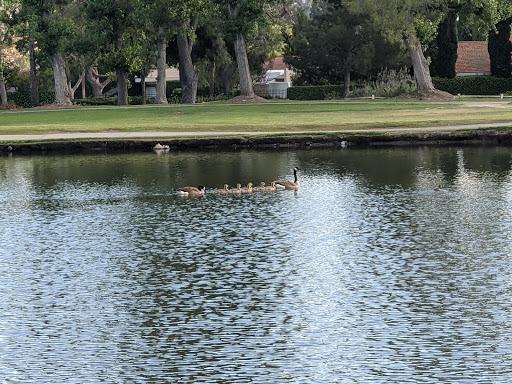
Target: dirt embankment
(471,137)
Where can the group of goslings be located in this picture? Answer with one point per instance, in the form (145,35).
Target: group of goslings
(274,186)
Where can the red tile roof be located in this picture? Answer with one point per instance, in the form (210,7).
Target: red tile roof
(276,64)
(472,57)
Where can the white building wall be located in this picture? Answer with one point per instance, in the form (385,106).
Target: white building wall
(279,89)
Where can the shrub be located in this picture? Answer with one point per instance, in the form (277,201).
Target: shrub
(170,86)
(473,85)
(389,83)
(47,97)
(96,101)
(176,92)
(137,100)
(313,92)
(10,106)
(23,99)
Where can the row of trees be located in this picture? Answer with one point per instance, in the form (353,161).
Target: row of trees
(81,39)
(325,40)
(338,38)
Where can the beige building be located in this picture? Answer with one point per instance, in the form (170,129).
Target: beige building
(171,74)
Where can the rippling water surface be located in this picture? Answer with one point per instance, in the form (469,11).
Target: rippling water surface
(364,275)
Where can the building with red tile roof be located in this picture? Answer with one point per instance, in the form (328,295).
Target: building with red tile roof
(472,59)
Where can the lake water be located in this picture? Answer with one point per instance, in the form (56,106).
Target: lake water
(365,275)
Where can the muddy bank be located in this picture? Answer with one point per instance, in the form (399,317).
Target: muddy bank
(474,137)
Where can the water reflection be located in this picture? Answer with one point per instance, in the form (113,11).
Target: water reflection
(364,275)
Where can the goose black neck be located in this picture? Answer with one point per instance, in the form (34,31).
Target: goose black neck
(295,175)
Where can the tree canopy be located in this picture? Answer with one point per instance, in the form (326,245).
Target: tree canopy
(326,41)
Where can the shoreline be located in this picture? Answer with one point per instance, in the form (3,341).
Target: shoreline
(269,141)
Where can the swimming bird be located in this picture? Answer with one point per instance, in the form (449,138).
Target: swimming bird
(289,185)
(439,188)
(222,191)
(191,191)
(247,189)
(271,187)
(237,190)
(261,188)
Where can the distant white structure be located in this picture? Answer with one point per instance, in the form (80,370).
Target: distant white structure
(160,147)
(277,79)
(171,74)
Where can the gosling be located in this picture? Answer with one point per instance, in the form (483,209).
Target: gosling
(271,187)
(247,189)
(237,190)
(261,188)
(224,191)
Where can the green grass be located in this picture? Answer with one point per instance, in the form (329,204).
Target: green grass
(267,117)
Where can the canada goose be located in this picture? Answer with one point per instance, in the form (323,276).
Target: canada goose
(290,185)
(236,190)
(191,191)
(261,188)
(222,191)
(271,187)
(247,189)
(439,188)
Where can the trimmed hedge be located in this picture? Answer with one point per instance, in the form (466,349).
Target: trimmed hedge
(97,101)
(23,99)
(473,85)
(313,92)
(132,100)
(464,85)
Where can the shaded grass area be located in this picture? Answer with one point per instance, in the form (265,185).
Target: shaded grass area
(266,117)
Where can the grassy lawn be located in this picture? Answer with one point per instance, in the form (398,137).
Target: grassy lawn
(267,117)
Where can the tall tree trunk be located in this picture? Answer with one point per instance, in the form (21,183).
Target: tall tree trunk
(246,88)
(420,65)
(62,91)
(34,89)
(227,78)
(242,61)
(122,87)
(3,91)
(212,79)
(348,70)
(346,84)
(161,81)
(188,74)
(84,94)
(143,86)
